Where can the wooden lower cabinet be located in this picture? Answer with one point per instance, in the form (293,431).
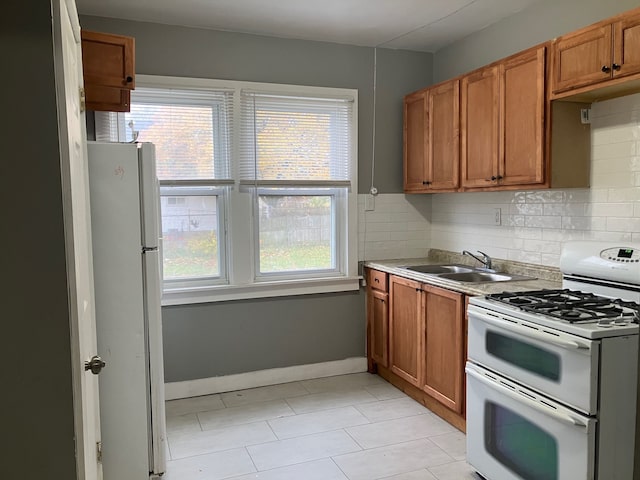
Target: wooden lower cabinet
(405,322)
(377,311)
(417,342)
(443,347)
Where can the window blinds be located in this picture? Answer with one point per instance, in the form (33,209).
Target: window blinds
(294,141)
(192,131)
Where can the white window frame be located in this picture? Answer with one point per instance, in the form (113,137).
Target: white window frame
(201,188)
(240,208)
(339,225)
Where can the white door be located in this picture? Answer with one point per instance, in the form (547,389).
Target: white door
(74,168)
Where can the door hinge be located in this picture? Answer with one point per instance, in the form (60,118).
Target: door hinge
(83,100)
(99,451)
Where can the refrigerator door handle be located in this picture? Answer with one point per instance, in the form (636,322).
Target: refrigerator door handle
(153,319)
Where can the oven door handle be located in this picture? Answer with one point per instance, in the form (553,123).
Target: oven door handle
(522,399)
(528,332)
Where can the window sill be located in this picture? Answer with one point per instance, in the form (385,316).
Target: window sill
(222,293)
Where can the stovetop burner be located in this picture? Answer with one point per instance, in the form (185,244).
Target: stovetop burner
(571,305)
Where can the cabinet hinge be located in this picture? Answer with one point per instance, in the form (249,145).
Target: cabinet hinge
(99,451)
(83,100)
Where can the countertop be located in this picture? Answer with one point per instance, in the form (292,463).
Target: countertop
(545,277)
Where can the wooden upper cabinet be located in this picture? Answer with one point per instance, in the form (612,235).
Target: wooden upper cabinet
(108,63)
(522,119)
(479,127)
(443,347)
(582,58)
(431,139)
(626,50)
(443,146)
(597,54)
(405,322)
(503,123)
(415,141)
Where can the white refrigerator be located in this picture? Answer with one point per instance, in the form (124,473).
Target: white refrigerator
(125,228)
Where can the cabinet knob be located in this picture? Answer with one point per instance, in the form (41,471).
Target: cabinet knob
(606,68)
(500,177)
(492,179)
(616,66)
(426,182)
(129,79)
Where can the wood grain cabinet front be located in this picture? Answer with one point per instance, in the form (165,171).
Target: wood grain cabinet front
(431,139)
(405,323)
(597,54)
(502,123)
(416,339)
(108,64)
(377,320)
(443,347)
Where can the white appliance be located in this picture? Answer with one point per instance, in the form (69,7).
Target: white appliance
(552,374)
(124,197)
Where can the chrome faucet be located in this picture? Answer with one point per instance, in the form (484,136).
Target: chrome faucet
(485,260)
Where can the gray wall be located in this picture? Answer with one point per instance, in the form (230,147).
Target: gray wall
(263,333)
(37,402)
(233,337)
(543,21)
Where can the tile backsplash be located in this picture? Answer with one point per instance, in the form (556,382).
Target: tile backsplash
(533,223)
(398,227)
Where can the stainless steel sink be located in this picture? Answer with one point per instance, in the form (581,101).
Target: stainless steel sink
(482,277)
(439,269)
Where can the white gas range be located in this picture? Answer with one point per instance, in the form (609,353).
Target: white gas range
(552,374)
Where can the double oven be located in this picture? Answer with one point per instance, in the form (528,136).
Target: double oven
(552,374)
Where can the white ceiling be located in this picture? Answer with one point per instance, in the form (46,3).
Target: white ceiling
(422,25)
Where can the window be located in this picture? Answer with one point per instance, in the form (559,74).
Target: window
(192,247)
(258,185)
(191,132)
(289,145)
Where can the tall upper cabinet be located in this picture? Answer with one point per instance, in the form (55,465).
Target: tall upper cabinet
(108,63)
(502,125)
(522,118)
(480,99)
(431,138)
(600,53)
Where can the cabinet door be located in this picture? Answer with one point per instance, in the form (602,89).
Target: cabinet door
(405,321)
(443,146)
(626,35)
(415,141)
(582,58)
(443,347)
(522,119)
(108,60)
(480,103)
(108,70)
(378,320)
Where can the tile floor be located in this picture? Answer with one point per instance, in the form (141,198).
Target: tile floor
(349,427)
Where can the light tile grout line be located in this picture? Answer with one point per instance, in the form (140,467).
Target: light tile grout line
(338,467)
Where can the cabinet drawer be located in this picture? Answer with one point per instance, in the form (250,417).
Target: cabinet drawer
(377,280)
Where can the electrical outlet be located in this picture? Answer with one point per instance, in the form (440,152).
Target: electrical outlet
(497,216)
(369,203)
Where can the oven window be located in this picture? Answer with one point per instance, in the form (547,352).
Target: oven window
(529,357)
(519,445)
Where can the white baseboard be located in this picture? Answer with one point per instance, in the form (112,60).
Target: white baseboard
(261,378)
